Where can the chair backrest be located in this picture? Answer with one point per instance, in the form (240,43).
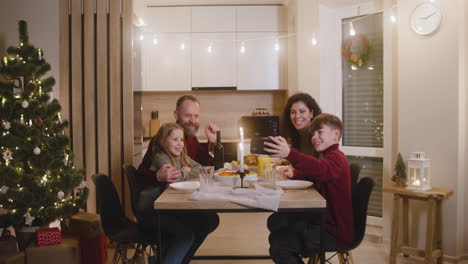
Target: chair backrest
(361,194)
(112,214)
(130,172)
(354,170)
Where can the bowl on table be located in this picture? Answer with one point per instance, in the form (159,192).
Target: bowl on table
(232,178)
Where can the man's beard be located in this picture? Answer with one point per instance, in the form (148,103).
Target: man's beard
(188,131)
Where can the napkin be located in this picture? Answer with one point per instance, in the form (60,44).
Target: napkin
(258,197)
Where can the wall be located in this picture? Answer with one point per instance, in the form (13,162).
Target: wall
(428,105)
(224,108)
(42,18)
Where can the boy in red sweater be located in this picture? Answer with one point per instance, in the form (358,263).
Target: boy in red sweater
(294,234)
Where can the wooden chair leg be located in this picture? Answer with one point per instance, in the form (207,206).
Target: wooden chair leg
(341,258)
(350,257)
(314,259)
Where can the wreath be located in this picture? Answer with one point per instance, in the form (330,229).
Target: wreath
(356,56)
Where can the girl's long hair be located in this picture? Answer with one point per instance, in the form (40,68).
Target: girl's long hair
(159,143)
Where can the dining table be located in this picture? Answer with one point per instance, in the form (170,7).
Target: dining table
(304,200)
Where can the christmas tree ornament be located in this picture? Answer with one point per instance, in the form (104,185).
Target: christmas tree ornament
(38,122)
(5,61)
(60,195)
(37,150)
(22,119)
(28,219)
(59,117)
(4,189)
(7,155)
(7,125)
(39,53)
(83,185)
(25,104)
(65,160)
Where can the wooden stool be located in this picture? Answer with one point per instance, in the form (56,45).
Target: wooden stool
(433,199)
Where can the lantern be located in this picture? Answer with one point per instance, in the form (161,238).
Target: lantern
(418,172)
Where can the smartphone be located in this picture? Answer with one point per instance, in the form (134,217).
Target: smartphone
(257,146)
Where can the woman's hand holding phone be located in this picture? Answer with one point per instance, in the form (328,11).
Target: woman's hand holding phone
(279,149)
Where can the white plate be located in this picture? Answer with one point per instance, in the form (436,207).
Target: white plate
(294,184)
(186,186)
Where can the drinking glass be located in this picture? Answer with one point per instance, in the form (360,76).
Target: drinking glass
(269,174)
(206,177)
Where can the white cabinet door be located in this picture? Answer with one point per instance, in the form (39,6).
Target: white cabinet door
(261,61)
(213,19)
(214,60)
(167,19)
(166,62)
(261,18)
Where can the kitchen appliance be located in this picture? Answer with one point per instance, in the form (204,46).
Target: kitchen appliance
(260,126)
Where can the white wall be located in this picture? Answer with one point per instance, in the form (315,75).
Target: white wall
(42,18)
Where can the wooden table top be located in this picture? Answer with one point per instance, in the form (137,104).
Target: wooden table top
(172,199)
(437,193)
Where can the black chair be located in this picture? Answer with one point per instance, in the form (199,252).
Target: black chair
(360,194)
(354,170)
(116,225)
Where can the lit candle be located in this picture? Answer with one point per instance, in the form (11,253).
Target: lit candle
(416,182)
(241,153)
(241,131)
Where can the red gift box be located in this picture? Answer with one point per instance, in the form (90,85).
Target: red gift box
(48,236)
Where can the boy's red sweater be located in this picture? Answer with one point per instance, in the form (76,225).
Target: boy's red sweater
(333,181)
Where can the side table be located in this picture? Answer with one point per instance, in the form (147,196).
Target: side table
(433,199)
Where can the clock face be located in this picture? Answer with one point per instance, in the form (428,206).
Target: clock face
(426,19)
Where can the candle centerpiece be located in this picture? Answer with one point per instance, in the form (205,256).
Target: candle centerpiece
(418,172)
(241,154)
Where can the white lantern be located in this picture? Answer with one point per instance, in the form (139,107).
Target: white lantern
(418,172)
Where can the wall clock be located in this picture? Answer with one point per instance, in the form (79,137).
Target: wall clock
(426,19)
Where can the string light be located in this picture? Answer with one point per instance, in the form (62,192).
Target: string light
(210,48)
(314,40)
(242,48)
(352,32)
(277,46)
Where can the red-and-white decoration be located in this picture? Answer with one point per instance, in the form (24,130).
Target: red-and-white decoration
(48,236)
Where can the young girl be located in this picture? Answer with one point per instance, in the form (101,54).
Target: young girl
(168,148)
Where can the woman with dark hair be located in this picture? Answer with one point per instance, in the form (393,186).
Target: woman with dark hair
(300,110)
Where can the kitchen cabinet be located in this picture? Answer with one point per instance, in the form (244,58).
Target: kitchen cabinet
(167,19)
(261,61)
(261,18)
(214,60)
(166,62)
(213,19)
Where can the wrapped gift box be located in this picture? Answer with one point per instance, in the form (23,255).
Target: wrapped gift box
(66,252)
(8,245)
(12,258)
(85,225)
(48,236)
(94,251)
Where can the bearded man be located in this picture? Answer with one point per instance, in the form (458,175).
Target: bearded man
(187,114)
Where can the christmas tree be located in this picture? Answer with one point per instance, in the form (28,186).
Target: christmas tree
(401,172)
(38,182)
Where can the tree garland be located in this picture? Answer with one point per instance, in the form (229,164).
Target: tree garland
(359,58)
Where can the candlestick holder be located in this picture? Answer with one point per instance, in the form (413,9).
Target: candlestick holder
(241,175)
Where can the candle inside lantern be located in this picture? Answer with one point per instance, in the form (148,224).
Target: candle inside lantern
(416,182)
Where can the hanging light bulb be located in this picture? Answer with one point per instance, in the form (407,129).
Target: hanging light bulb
(352,32)
(182,46)
(277,46)
(155,40)
(142,37)
(242,48)
(314,40)
(392,16)
(210,48)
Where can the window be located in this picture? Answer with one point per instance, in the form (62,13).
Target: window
(362,99)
